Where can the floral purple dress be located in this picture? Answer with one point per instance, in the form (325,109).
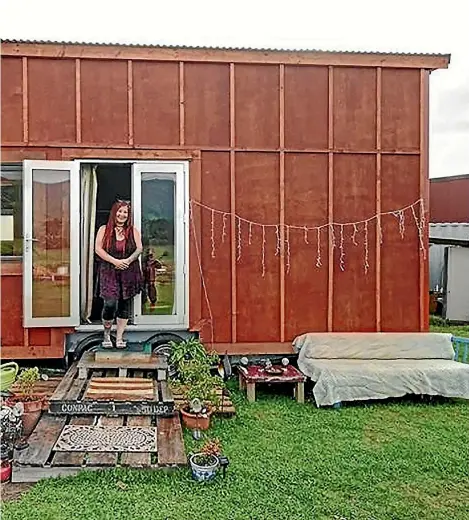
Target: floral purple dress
(114,283)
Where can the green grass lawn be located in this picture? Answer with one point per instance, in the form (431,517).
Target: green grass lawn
(403,459)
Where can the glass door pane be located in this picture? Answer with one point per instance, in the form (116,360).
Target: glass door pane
(159,210)
(51,243)
(159,244)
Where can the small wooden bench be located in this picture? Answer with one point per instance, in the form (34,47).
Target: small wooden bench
(254,374)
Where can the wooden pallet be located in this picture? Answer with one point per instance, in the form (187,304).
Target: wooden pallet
(154,363)
(225,408)
(39,460)
(43,388)
(75,396)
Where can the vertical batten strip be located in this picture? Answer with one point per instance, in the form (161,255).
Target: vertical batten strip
(424,195)
(378,196)
(234,308)
(130,102)
(25,100)
(330,200)
(181,104)
(282,199)
(78,99)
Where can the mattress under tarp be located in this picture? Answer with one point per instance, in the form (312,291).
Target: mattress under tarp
(363,366)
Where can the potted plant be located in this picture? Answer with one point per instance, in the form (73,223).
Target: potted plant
(23,392)
(190,349)
(204,464)
(198,388)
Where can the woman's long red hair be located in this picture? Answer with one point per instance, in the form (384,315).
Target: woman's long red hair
(111,224)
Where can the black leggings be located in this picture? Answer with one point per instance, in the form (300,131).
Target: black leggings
(116,308)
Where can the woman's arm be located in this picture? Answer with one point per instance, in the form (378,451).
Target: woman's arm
(102,253)
(138,248)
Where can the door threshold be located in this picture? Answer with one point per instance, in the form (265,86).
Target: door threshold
(97,328)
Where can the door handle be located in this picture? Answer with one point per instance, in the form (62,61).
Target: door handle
(29,239)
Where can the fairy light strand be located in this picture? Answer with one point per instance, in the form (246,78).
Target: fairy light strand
(287,243)
(318,257)
(225,222)
(341,248)
(354,236)
(367,265)
(212,233)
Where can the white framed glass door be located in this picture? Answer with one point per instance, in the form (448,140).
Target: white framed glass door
(160,208)
(51,261)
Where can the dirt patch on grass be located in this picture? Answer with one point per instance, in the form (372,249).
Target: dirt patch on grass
(11,491)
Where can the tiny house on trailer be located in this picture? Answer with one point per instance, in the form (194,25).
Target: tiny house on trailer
(277,192)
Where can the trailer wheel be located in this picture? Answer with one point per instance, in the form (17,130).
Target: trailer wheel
(160,344)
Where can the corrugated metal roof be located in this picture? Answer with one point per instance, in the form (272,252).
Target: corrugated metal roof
(221,48)
(450,230)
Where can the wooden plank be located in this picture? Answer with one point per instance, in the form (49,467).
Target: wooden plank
(76,390)
(130,102)
(282,200)
(156,392)
(41,441)
(35,473)
(111,407)
(78,99)
(88,362)
(25,105)
(171,451)
(105,459)
(425,196)
(66,383)
(166,393)
(129,381)
(75,458)
(330,201)
(304,57)
(233,203)
(137,460)
(378,197)
(181,104)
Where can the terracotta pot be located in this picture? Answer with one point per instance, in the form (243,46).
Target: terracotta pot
(195,421)
(32,411)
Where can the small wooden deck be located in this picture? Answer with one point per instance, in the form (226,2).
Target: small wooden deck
(40,460)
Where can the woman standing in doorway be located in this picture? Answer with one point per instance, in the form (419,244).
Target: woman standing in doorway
(119,245)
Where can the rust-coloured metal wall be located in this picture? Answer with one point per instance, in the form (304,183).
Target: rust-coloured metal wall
(274,137)
(449,199)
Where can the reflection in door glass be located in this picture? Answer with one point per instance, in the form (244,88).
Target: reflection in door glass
(51,244)
(158,237)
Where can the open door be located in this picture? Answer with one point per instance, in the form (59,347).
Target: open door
(160,210)
(51,191)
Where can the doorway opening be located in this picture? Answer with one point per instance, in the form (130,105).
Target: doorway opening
(102,185)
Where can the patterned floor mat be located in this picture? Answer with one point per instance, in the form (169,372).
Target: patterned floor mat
(106,438)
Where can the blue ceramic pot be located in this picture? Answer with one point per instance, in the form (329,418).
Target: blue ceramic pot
(203,472)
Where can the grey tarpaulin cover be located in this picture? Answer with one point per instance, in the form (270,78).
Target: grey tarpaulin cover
(361,366)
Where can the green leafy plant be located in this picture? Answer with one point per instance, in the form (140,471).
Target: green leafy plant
(190,349)
(196,382)
(26,380)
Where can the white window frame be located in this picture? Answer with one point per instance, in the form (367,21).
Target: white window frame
(28,243)
(180,169)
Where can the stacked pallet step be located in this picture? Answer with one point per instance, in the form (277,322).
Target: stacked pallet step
(95,392)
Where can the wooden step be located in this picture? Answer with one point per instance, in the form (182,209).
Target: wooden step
(154,363)
(106,394)
(133,352)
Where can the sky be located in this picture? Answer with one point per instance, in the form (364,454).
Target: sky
(398,26)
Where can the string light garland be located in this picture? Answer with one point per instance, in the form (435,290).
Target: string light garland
(336,232)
